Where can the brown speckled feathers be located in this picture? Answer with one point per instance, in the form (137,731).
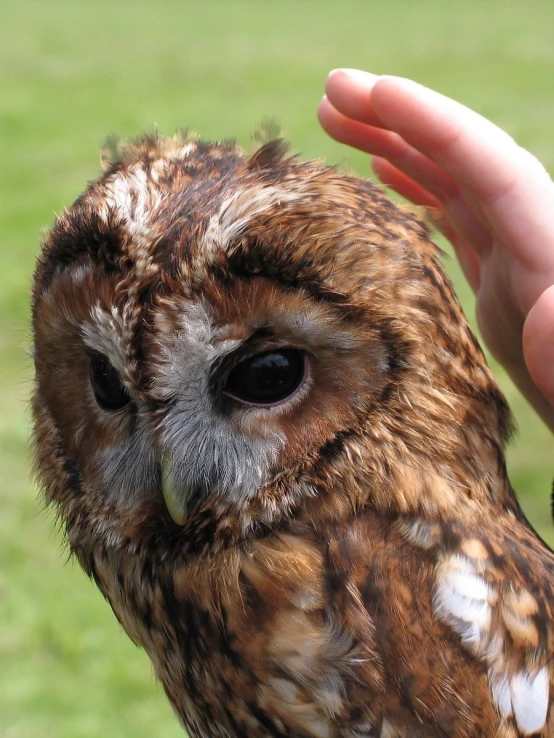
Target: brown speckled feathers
(275,445)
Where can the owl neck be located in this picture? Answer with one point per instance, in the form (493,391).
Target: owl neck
(419,463)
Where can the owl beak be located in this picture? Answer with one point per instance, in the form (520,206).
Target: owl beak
(176,496)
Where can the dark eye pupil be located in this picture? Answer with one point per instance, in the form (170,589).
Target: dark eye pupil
(267,378)
(106,384)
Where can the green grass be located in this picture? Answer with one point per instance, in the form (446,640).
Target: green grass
(70,72)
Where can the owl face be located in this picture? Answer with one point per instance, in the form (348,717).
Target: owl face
(220,340)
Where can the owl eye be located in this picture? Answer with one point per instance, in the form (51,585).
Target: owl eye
(268,378)
(106,384)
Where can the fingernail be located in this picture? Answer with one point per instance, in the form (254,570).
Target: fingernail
(358,75)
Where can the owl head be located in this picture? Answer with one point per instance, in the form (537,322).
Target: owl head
(227,342)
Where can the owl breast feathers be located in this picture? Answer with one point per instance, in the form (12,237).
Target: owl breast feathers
(276,447)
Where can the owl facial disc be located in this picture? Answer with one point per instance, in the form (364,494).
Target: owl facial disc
(175,496)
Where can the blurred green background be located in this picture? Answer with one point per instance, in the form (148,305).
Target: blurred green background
(71,72)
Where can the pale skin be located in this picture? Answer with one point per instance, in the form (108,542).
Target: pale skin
(491,198)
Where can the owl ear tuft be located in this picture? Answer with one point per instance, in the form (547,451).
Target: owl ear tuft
(268,155)
(267,130)
(110,151)
(267,145)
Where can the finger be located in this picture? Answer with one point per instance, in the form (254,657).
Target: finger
(511,187)
(406,186)
(429,122)
(359,135)
(350,92)
(387,145)
(416,166)
(538,343)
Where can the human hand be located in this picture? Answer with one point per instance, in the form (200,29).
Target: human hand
(494,199)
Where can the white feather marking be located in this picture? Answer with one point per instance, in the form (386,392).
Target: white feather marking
(134,200)
(462,598)
(530,700)
(104,333)
(388,730)
(365,728)
(236,212)
(500,688)
(469,585)
(420,533)
(464,608)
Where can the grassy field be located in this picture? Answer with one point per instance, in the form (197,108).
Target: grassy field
(71,72)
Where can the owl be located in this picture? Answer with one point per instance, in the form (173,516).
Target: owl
(274,444)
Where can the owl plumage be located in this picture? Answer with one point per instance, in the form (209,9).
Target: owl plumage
(276,447)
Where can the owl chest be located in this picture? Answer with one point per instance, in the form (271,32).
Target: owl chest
(288,638)
(258,650)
